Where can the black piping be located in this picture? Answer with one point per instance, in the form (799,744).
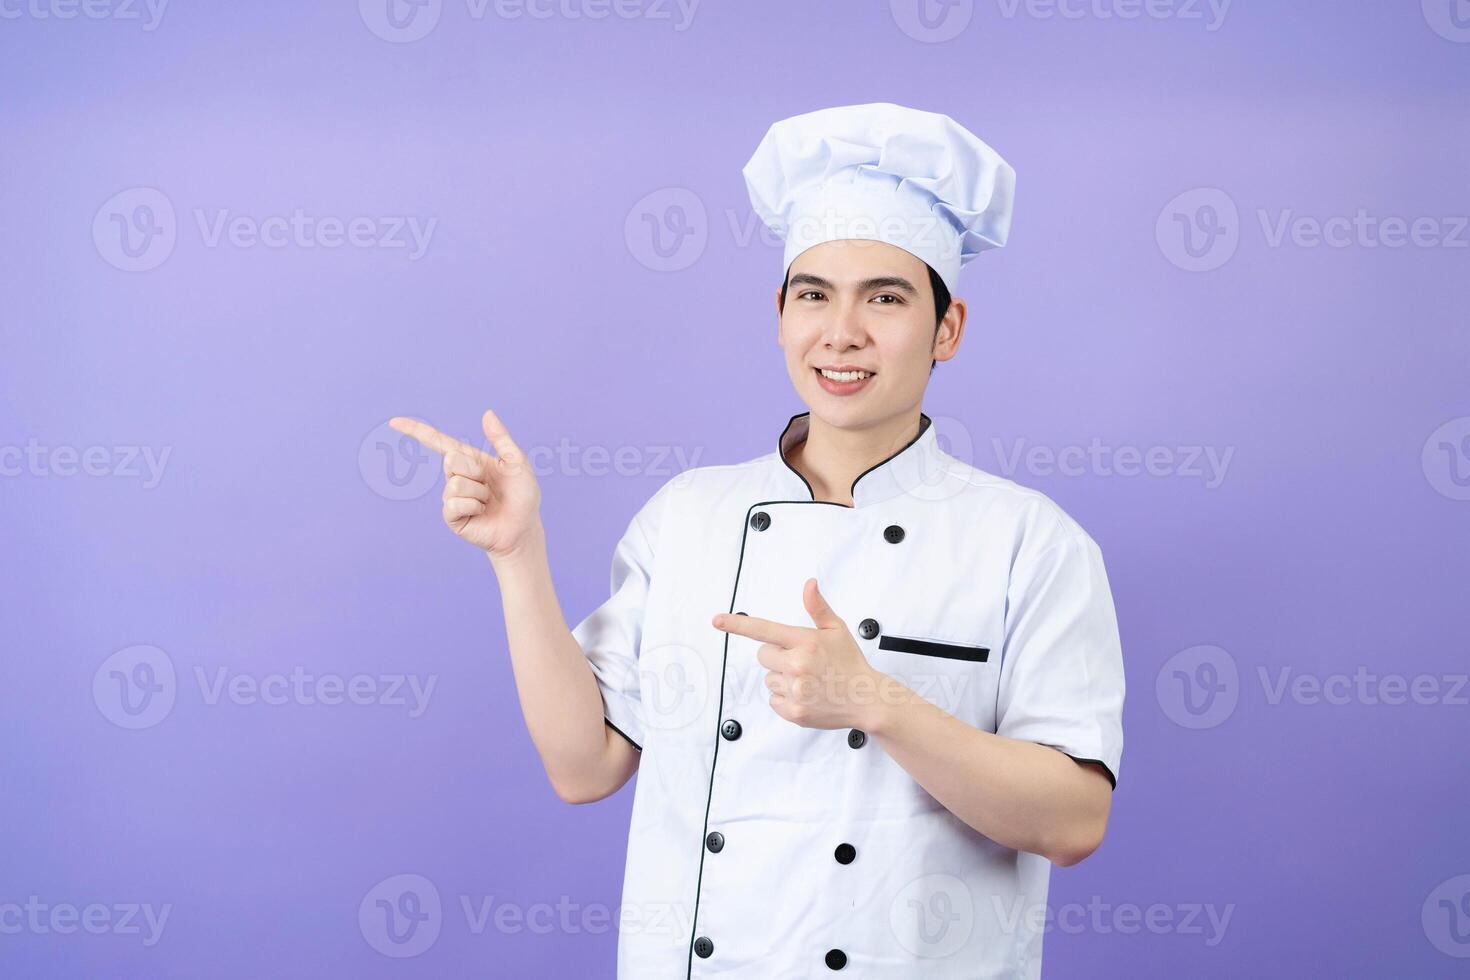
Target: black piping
(623,733)
(1106,771)
(924,424)
(720,709)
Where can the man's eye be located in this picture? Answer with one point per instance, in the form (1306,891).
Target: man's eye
(809,292)
(889,296)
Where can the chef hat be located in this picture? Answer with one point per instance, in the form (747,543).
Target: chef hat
(883,172)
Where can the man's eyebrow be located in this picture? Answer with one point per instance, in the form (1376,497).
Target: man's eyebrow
(867,285)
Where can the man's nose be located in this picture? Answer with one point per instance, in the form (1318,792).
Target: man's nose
(845,329)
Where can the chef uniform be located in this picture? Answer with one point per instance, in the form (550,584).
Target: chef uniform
(761,849)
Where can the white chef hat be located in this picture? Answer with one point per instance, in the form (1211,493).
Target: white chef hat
(883,172)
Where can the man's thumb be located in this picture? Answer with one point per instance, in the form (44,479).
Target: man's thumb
(816,607)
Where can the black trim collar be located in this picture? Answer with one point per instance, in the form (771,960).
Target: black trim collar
(788,439)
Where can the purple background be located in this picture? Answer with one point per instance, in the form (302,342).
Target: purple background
(1334,540)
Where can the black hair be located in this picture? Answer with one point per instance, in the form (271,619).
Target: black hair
(941,299)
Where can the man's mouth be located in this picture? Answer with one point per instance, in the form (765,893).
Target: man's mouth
(852,375)
(842,379)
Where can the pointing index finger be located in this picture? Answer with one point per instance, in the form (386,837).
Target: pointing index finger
(431,438)
(761,630)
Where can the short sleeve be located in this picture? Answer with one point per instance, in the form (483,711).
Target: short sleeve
(1061,676)
(611,635)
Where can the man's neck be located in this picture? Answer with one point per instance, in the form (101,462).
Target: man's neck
(831,458)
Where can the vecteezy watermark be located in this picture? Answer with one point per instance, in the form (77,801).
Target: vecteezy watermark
(932,21)
(933,915)
(1200,687)
(745,683)
(566,459)
(672,686)
(148,13)
(1450,19)
(144,463)
(396,467)
(302,230)
(38,918)
(301,687)
(1200,230)
(404,915)
(667,230)
(568,917)
(405,21)
(1363,686)
(1446,459)
(137,229)
(1363,230)
(1208,464)
(935,21)
(669,683)
(1210,13)
(1203,919)
(137,687)
(401,916)
(1445,917)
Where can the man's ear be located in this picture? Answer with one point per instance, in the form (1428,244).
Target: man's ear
(951,331)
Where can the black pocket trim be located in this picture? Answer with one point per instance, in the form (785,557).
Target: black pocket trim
(931,648)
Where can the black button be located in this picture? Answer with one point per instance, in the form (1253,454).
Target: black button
(760,520)
(868,629)
(893,534)
(715,842)
(730,729)
(856,738)
(703,947)
(845,853)
(741,614)
(836,959)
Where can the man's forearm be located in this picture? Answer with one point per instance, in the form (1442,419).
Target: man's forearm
(1019,794)
(558,692)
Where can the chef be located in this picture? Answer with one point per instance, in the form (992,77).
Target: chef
(872,692)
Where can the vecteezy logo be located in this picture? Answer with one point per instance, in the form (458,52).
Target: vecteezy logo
(400,21)
(932,21)
(135,687)
(395,466)
(1198,687)
(1446,917)
(1446,459)
(667,230)
(1199,230)
(1450,19)
(135,230)
(401,916)
(933,916)
(930,478)
(672,684)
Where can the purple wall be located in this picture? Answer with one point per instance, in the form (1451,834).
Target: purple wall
(1229,335)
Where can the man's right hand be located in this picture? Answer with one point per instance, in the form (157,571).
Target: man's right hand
(493,502)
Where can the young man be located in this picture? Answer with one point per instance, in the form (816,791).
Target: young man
(873,692)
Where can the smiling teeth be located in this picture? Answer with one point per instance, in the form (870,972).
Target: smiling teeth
(843,375)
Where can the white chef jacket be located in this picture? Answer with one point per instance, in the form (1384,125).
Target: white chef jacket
(761,849)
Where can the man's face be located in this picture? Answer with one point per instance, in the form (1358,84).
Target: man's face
(865,306)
